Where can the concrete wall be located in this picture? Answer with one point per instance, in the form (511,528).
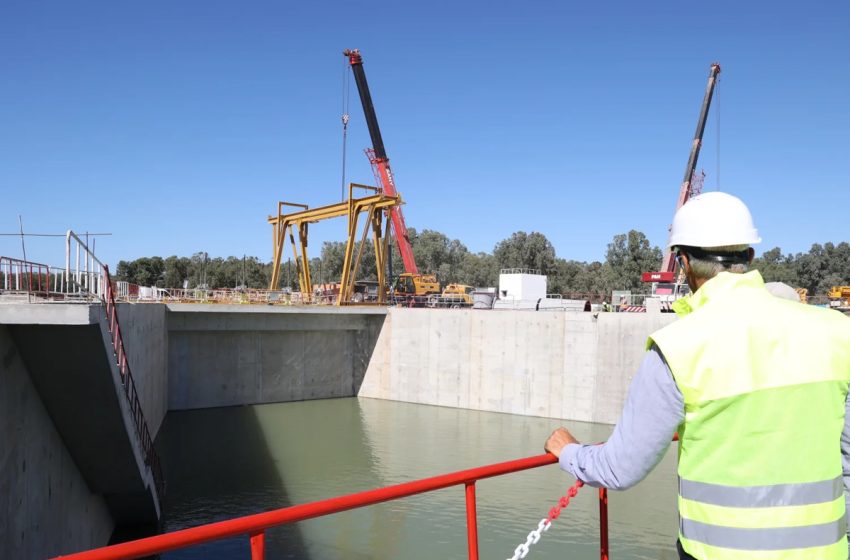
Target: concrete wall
(556,364)
(234,355)
(46,507)
(143,327)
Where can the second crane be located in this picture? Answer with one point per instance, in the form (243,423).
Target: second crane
(411,283)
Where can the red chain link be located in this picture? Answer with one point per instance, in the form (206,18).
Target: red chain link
(564,501)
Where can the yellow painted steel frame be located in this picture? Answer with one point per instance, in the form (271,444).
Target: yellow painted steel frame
(376,207)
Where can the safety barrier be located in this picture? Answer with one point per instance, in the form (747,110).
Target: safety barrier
(24,277)
(89,279)
(84,279)
(150,455)
(254,526)
(519,271)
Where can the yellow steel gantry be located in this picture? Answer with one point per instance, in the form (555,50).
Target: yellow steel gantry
(375,206)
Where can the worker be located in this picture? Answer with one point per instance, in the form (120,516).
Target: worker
(756,386)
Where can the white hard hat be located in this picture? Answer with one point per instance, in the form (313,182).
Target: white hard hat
(713,219)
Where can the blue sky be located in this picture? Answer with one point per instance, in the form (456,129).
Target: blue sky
(177,126)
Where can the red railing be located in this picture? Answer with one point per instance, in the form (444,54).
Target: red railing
(150,455)
(24,276)
(254,526)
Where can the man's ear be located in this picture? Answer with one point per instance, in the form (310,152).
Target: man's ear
(752,254)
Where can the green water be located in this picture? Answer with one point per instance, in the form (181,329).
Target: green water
(222,463)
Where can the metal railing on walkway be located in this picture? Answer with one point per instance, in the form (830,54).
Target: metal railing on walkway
(24,277)
(86,278)
(93,279)
(151,457)
(254,526)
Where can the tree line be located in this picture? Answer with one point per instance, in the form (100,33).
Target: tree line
(627,256)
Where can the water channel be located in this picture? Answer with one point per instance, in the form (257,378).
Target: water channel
(227,462)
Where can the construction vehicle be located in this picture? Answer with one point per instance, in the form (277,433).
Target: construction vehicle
(411,283)
(454,295)
(665,283)
(417,286)
(839,297)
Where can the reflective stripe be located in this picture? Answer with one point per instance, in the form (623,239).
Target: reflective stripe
(778,538)
(772,495)
(756,518)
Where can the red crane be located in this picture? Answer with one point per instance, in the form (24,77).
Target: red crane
(668,264)
(380,162)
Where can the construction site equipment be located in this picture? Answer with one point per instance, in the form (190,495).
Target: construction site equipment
(839,297)
(374,206)
(454,295)
(685,192)
(665,279)
(416,286)
(379,160)
(383,173)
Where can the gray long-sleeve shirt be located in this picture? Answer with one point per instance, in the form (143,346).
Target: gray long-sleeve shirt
(653,411)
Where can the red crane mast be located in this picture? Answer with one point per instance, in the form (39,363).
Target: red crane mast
(668,264)
(380,162)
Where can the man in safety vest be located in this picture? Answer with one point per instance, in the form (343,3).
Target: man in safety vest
(757,388)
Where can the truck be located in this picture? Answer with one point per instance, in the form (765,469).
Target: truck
(415,289)
(453,295)
(839,297)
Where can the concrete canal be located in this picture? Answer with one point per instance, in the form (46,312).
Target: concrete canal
(258,407)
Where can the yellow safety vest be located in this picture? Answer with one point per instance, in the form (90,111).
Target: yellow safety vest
(764,382)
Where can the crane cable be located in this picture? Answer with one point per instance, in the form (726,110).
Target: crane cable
(717,120)
(346,88)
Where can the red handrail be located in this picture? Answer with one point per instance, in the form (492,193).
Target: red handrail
(19,269)
(254,526)
(150,456)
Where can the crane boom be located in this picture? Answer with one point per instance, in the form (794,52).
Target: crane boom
(669,262)
(380,161)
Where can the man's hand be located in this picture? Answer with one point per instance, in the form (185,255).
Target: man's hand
(558,440)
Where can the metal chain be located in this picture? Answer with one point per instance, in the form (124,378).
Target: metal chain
(522,550)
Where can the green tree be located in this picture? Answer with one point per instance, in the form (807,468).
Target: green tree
(176,271)
(333,254)
(824,266)
(125,271)
(628,256)
(565,277)
(776,267)
(526,250)
(257,273)
(144,271)
(592,279)
(199,270)
(437,254)
(479,270)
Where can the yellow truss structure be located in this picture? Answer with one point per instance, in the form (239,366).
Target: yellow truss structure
(375,206)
